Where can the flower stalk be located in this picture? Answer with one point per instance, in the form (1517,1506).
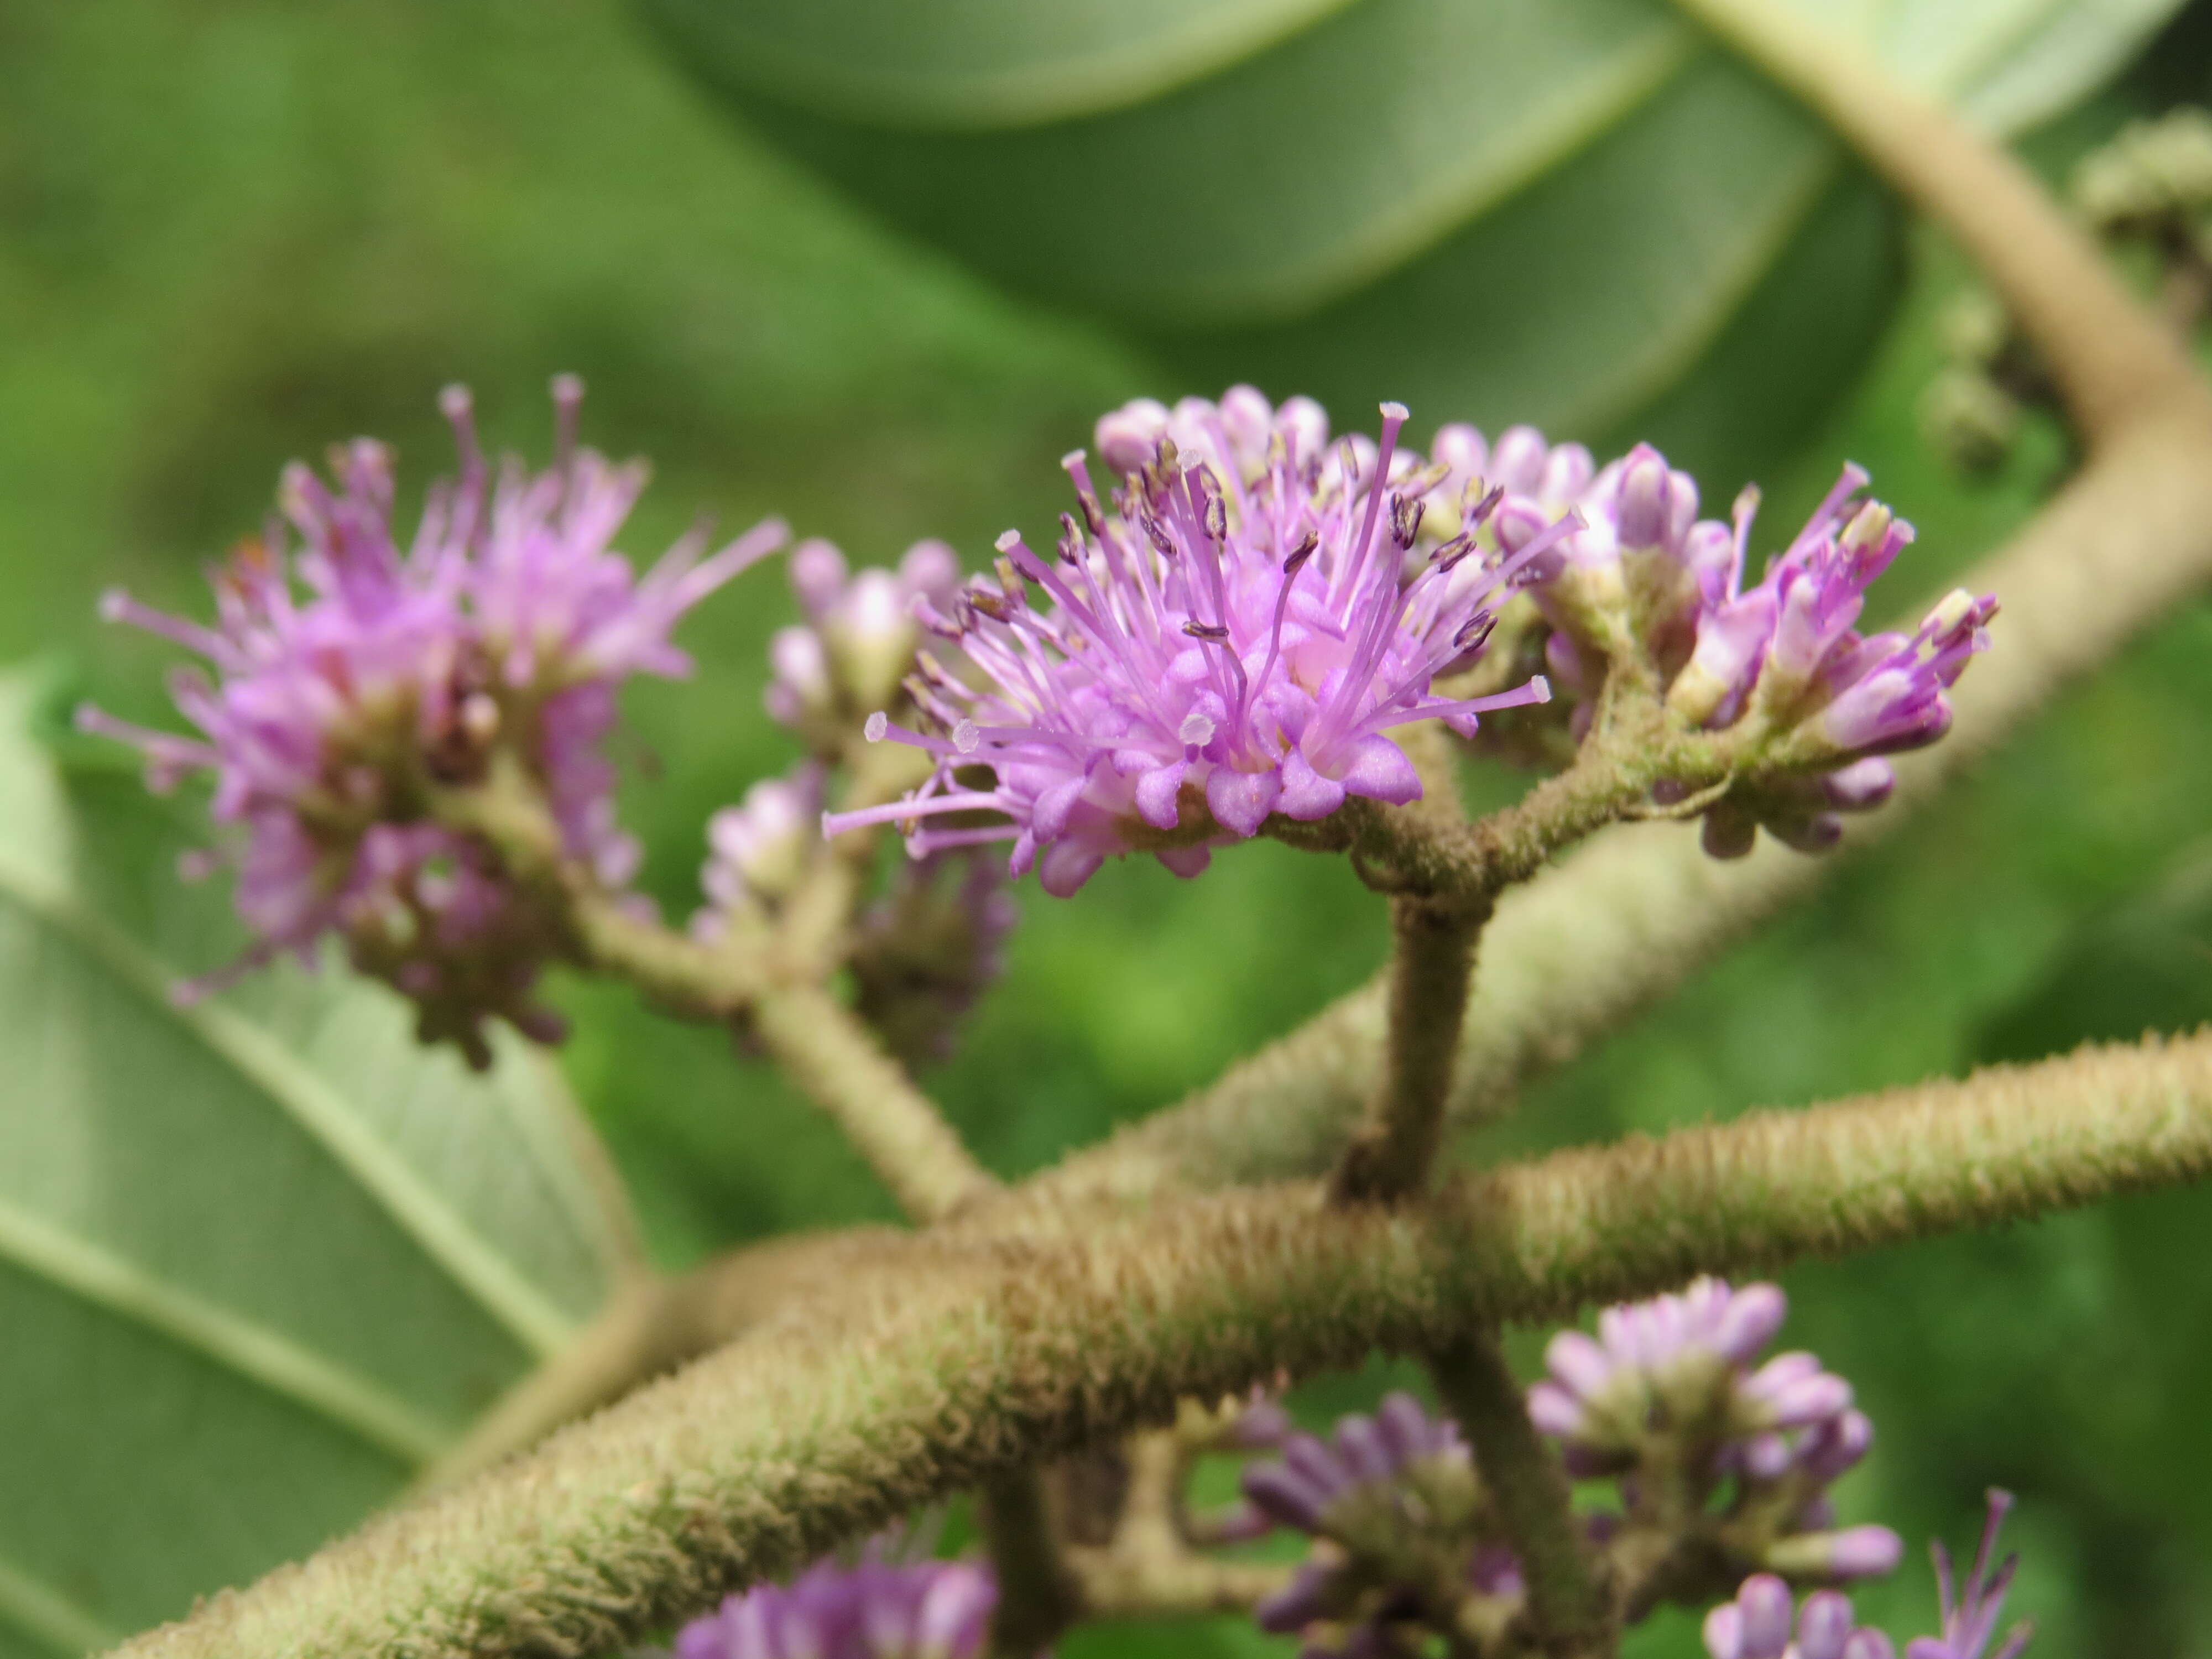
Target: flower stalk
(1566,1605)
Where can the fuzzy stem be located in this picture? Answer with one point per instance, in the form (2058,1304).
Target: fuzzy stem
(509,811)
(824,1050)
(1467,866)
(975,1354)
(654,1325)
(2111,360)
(1429,972)
(1521,1473)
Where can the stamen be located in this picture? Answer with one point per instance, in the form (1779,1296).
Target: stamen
(1085,497)
(1394,417)
(1537,690)
(1300,556)
(568,401)
(897,812)
(458,407)
(1406,515)
(117,606)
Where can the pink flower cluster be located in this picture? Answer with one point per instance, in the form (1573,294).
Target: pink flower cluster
(1676,1375)
(1784,654)
(347,679)
(1233,634)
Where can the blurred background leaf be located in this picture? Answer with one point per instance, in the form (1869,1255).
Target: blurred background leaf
(234,230)
(1542,210)
(260,1257)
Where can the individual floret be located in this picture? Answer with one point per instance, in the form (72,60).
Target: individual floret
(1756,1625)
(857,642)
(759,849)
(1970,1611)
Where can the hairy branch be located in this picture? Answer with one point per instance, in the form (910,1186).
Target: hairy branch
(828,1052)
(977,1354)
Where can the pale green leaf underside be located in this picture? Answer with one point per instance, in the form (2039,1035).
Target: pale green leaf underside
(260,1257)
(987,62)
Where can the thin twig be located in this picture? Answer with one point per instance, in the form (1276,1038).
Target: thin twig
(1148,1570)
(823,1047)
(1566,1605)
(1429,972)
(2112,362)
(1038,1595)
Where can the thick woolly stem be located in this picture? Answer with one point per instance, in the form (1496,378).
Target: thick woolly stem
(976,1355)
(1523,1475)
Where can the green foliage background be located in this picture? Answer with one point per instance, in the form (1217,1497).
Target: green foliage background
(232,231)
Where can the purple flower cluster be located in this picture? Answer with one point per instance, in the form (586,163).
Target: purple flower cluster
(1675,1374)
(1364,1454)
(350,679)
(858,640)
(1387,1494)
(927,950)
(1236,637)
(876,1610)
(1756,1625)
(1785,654)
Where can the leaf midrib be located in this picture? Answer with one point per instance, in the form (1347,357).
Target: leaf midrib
(519,1307)
(49,1617)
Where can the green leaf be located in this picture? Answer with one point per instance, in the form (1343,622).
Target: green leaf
(1549,210)
(987,62)
(1283,183)
(260,1256)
